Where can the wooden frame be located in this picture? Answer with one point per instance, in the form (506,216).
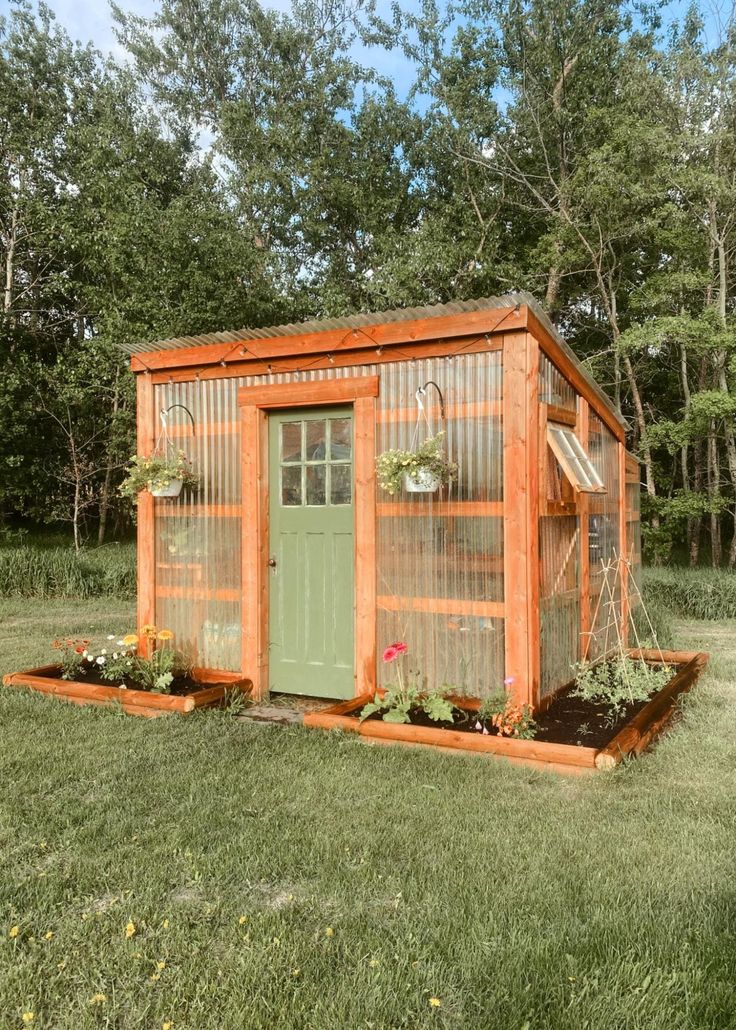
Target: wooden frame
(631,740)
(255,403)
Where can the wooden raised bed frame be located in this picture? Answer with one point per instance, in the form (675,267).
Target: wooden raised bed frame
(46,680)
(632,739)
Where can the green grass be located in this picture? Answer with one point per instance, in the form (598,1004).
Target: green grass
(693,593)
(519,899)
(39,570)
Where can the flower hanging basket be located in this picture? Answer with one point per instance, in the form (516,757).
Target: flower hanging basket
(173,489)
(165,472)
(422,482)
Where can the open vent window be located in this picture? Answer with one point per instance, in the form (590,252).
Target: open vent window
(573,459)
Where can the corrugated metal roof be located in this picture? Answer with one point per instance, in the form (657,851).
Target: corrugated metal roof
(324,324)
(509,300)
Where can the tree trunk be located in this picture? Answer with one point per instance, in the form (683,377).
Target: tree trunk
(713,495)
(10,263)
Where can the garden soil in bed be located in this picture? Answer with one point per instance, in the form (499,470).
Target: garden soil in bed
(181,686)
(568,720)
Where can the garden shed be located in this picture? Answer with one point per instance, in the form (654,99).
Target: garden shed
(290,565)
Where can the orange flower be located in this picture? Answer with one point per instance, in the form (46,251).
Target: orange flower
(165,634)
(148,630)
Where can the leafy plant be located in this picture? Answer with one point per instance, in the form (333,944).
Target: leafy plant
(393,465)
(619,682)
(72,656)
(500,712)
(401,698)
(157,671)
(156,472)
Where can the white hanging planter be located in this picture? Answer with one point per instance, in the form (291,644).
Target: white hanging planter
(172,489)
(424,483)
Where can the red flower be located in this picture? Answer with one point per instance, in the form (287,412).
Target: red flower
(394,651)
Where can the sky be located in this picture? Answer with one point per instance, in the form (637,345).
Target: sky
(92,21)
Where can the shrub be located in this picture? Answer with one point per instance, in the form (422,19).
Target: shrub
(45,572)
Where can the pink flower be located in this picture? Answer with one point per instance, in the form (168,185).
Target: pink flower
(394,651)
(508,681)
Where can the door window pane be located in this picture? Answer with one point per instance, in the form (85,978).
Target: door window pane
(316,445)
(340,439)
(316,484)
(291,485)
(291,441)
(341,487)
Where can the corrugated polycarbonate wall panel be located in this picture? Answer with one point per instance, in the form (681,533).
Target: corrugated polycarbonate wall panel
(559,595)
(553,387)
(603,540)
(440,565)
(633,538)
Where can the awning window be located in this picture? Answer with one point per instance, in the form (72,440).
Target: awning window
(573,459)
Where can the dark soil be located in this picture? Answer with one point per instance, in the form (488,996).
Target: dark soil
(568,720)
(181,686)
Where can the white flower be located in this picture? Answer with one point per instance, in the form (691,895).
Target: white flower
(114,654)
(120,643)
(90,658)
(130,663)
(111,636)
(103,651)
(101,660)
(84,654)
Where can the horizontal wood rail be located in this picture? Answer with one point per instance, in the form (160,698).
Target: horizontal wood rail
(198,593)
(441,606)
(321,391)
(217,511)
(557,414)
(464,509)
(204,429)
(334,341)
(471,409)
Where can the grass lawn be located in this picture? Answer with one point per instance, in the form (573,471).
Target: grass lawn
(280,877)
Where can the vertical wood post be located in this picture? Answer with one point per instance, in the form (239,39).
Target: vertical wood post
(254,549)
(364,411)
(623,549)
(146,543)
(583,499)
(521,514)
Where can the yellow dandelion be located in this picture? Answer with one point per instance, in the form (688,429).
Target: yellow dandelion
(130,930)
(98,999)
(243,919)
(374,963)
(165,924)
(434,1003)
(161,964)
(28,1017)
(130,639)
(167,1025)
(165,634)
(296,972)
(148,630)
(329,932)
(155,977)
(14,931)
(49,935)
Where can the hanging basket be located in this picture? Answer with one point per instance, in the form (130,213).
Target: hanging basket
(173,489)
(425,482)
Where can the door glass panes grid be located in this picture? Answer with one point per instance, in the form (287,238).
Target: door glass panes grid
(315,459)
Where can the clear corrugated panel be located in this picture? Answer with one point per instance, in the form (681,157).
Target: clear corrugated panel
(440,564)
(633,538)
(440,556)
(553,387)
(603,540)
(559,600)
(198,533)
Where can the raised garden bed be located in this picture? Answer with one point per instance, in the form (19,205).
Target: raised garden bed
(204,688)
(551,748)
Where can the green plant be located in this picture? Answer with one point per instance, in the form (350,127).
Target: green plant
(34,570)
(500,712)
(72,656)
(400,699)
(618,682)
(393,465)
(156,672)
(156,472)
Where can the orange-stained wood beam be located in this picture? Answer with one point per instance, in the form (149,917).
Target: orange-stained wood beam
(364,423)
(442,606)
(197,593)
(438,509)
(623,548)
(324,391)
(583,499)
(521,515)
(334,341)
(254,568)
(347,359)
(146,575)
(222,511)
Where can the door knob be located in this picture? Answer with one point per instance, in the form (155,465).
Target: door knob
(272,563)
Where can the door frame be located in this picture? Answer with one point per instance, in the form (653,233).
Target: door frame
(255,403)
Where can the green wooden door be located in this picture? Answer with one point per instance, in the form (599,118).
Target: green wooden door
(311,597)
